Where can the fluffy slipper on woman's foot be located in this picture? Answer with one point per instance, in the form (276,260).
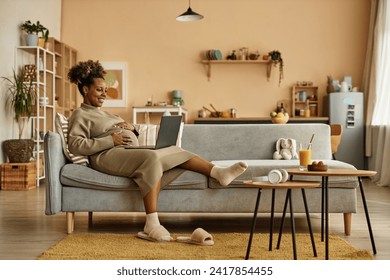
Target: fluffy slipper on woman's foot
(157,234)
(198,237)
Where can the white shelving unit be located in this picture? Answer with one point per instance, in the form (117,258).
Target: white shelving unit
(41,62)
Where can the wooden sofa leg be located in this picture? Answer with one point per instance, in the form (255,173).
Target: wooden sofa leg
(347,223)
(70,222)
(90,216)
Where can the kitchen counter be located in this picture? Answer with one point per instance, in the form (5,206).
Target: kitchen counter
(260,120)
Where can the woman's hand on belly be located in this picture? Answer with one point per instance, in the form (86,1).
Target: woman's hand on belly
(121,139)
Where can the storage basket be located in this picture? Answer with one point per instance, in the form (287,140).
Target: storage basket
(18,176)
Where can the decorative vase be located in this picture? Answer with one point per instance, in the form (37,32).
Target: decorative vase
(32,40)
(18,150)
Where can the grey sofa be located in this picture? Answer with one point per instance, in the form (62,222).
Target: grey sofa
(74,188)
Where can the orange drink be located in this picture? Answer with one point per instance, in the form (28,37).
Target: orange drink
(304,156)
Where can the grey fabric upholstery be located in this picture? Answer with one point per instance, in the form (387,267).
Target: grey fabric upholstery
(54,161)
(78,188)
(247,141)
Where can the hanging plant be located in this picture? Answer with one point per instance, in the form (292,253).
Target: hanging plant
(276,58)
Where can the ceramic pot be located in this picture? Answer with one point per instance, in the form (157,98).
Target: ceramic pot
(32,40)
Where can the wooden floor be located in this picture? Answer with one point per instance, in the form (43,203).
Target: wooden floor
(26,232)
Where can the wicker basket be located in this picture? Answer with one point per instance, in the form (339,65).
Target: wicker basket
(18,176)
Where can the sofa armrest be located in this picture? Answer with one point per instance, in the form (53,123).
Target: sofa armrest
(54,161)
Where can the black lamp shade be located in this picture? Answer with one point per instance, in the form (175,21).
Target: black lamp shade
(189,15)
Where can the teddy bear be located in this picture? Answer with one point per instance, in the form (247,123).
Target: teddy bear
(285,149)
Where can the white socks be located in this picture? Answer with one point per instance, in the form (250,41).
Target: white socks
(152,221)
(225,175)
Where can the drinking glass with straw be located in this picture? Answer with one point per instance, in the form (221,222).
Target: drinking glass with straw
(305,154)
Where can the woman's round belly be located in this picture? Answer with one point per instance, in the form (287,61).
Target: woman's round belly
(133,138)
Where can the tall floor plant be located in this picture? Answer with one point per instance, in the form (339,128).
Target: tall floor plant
(21,98)
(20,101)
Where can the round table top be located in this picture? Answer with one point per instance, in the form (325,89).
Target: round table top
(285,185)
(332,172)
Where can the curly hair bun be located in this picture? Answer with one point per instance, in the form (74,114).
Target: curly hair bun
(85,71)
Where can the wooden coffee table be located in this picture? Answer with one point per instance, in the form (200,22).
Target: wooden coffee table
(289,185)
(325,197)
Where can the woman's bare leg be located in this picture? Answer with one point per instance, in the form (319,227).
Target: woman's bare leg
(199,165)
(151,199)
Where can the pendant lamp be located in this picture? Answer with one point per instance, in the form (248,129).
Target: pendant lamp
(189,15)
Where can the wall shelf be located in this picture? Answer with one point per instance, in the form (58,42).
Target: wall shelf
(313,99)
(208,64)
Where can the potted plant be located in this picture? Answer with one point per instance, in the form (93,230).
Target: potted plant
(45,37)
(276,58)
(32,30)
(42,40)
(20,100)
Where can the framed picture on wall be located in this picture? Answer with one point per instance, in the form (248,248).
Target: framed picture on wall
(116,84)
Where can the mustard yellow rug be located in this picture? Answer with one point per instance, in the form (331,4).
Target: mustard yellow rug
(228,246)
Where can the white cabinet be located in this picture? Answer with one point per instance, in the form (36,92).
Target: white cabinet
(40,64)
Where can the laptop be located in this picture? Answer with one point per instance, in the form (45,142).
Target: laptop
(167,134)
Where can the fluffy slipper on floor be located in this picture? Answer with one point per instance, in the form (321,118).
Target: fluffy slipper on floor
(198,237)
(158,234)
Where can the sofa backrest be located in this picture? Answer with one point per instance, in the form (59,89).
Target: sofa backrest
(252,141)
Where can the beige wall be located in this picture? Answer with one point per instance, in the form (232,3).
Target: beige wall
(316,38)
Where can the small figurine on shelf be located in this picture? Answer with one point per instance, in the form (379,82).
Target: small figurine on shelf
(149,102)
(276,58)
(233,56)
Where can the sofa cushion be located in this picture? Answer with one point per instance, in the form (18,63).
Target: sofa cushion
(85,177)
(262,167)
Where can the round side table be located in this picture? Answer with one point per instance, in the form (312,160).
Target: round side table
(325,197)
(289,185)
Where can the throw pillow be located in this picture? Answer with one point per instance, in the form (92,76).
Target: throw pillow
(148,134)
(62,126)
